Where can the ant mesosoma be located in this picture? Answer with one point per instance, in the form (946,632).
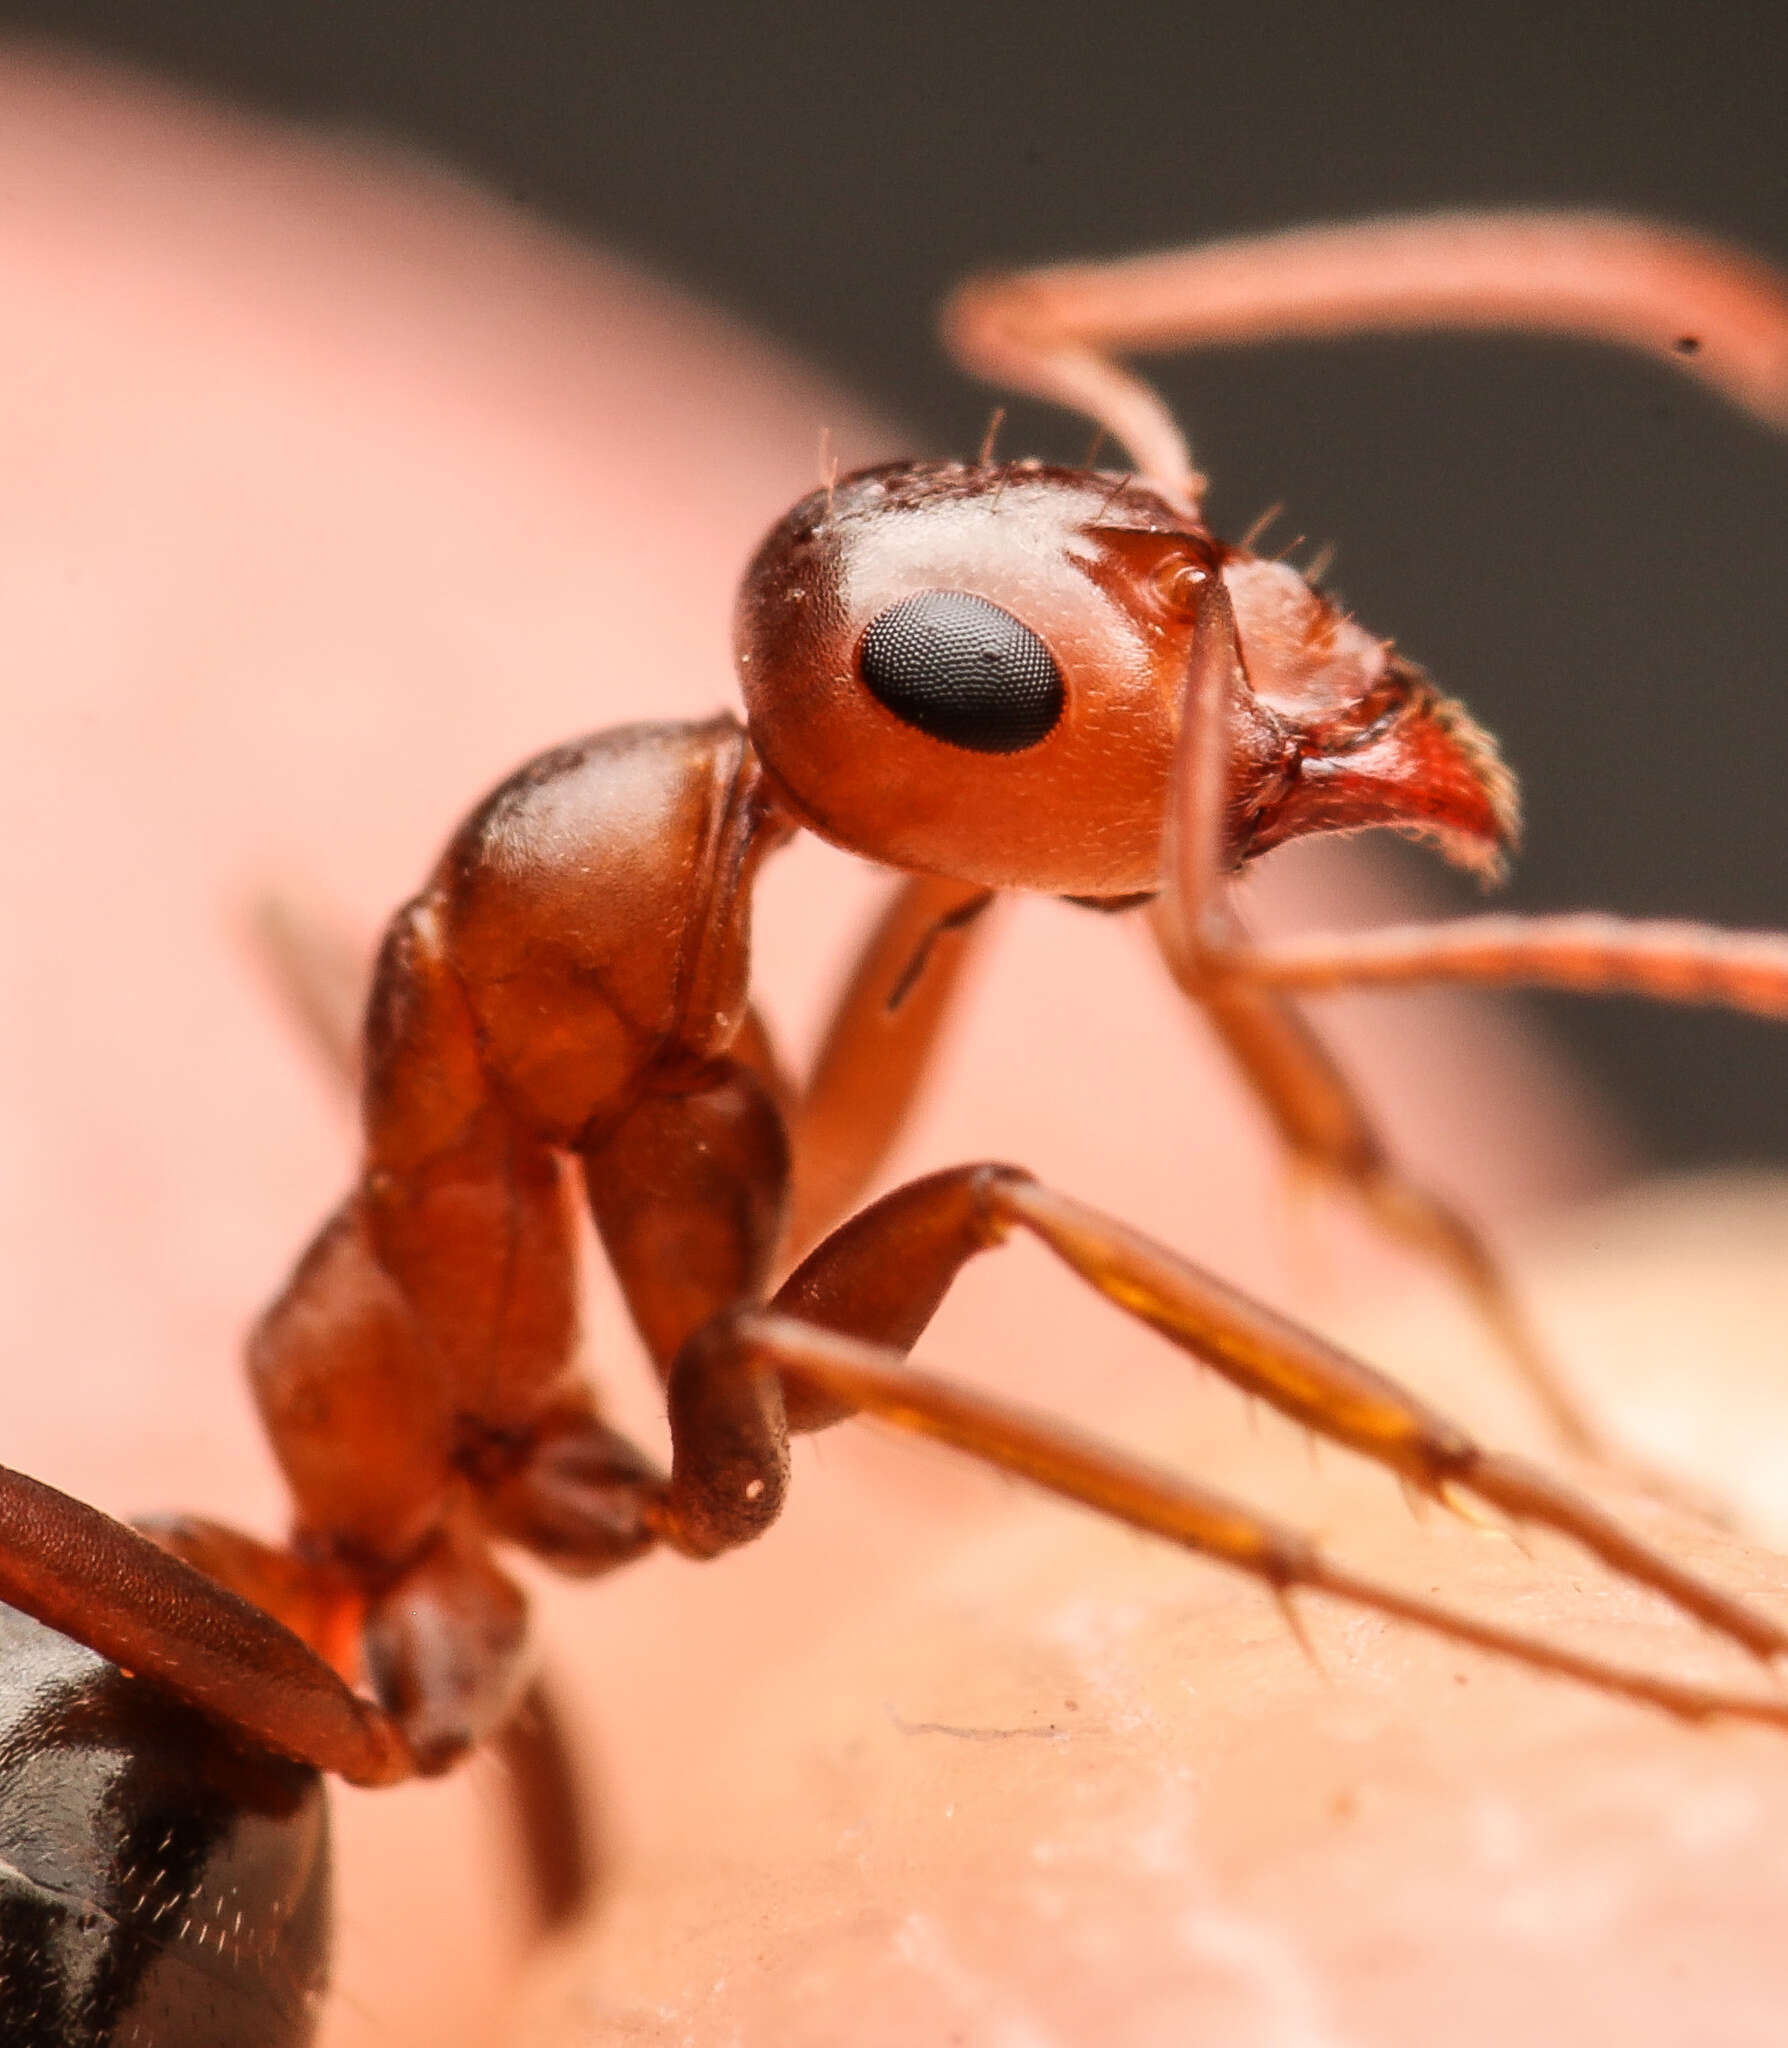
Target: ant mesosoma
(986,677)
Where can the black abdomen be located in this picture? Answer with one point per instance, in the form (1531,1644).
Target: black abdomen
(160,1886)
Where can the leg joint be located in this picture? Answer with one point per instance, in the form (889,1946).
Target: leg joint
(994,1215)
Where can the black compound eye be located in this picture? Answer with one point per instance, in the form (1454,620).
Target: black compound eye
(964,671)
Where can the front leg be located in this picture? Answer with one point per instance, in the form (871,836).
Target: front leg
(835,1339)
(1324,1124)
(1244,988)
(1316,1110)
(1582,952)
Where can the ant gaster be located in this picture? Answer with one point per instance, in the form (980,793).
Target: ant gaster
(985,677)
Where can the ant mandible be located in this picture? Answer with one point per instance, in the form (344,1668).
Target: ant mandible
(985,677)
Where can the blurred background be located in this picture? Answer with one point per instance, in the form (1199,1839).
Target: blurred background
(1588,551)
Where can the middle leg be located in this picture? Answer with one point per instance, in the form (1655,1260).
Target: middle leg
(1317,1111)
(878,1279)
(1323,1123)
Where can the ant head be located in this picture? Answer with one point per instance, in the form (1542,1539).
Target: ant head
(980,672)
(968,671)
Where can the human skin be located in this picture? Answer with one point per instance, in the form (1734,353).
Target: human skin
(332,490)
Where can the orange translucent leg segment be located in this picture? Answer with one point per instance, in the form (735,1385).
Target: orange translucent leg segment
(1318,1113)
(78,1571)
(1244,990)
(873,1380)
(877,1048)
(1588,953)
(546,1806)
(1323,1123)
(1339,1397)
(1711,312)
(880,1277)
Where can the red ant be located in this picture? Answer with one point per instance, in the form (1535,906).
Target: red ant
(986,677)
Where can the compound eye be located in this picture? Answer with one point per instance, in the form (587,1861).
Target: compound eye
(963,671)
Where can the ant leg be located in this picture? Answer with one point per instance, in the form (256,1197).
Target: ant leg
(80,1572)
(1316,1109)
(1243,989)
(546,1802)
(1718,315)
(322,1606)
(728,1483)
(879,1278)
(574,1500)
(1588,953)
(877,1381)
(546,1805)
(1324,1125)
(445,1646)
(689,1193)
(877,1047)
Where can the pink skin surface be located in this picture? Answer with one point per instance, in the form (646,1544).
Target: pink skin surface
(331,489)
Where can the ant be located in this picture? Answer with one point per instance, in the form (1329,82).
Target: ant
(986,677)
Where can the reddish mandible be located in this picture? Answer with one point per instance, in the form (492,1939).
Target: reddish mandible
(984,676)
